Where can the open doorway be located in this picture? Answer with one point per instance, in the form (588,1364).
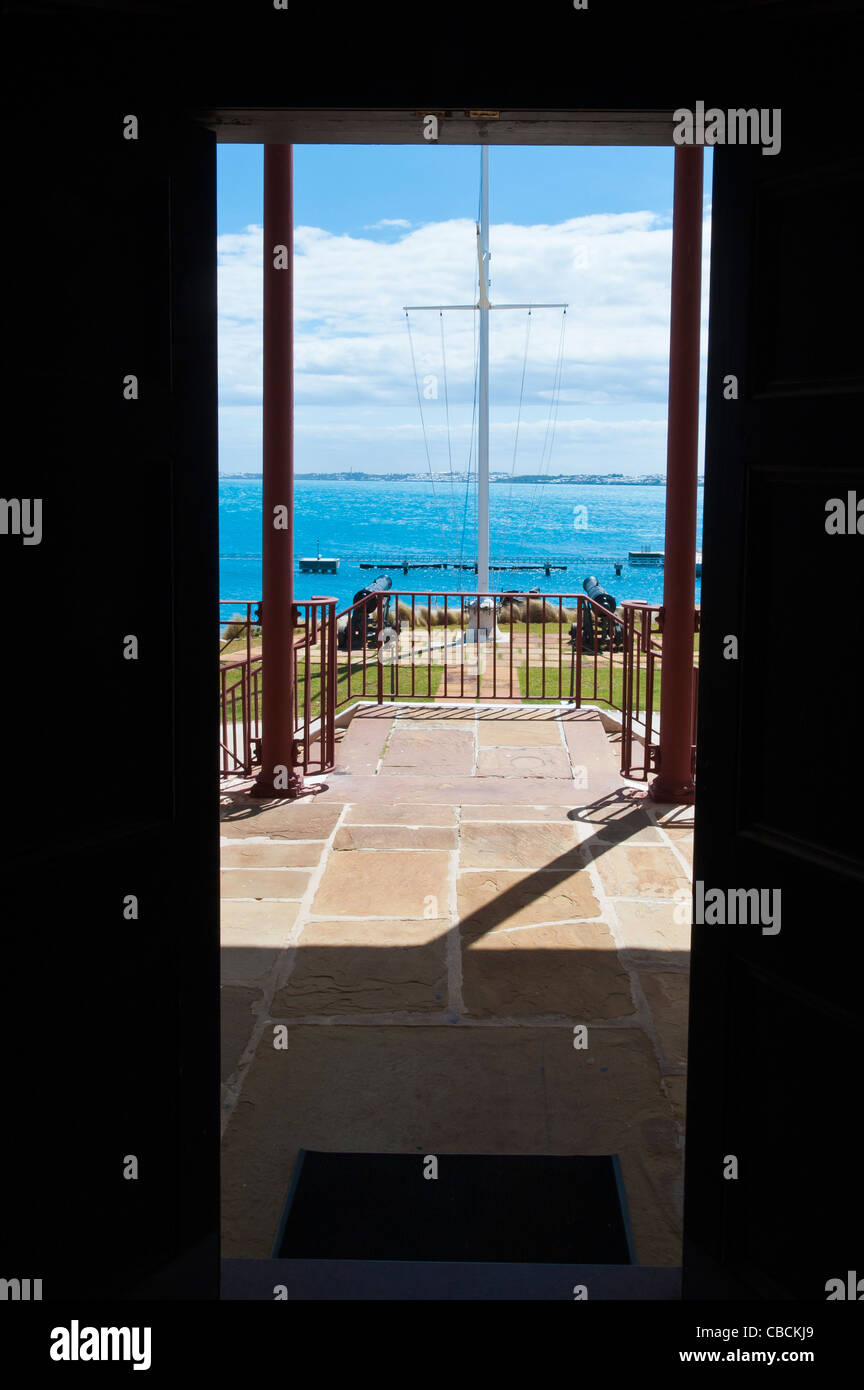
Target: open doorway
(476,907)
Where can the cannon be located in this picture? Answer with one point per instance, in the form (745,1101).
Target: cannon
(363,622)
(599,631)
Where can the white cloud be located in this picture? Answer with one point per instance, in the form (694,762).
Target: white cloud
(355,392)
(386,222)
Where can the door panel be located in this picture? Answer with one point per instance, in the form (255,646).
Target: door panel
(775,1025)
(110,1008)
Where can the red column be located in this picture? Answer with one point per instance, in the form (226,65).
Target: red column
(675,779)
(279,775)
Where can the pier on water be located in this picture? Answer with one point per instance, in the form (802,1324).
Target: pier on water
(434,562)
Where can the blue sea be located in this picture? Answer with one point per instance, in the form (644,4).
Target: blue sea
(587,527)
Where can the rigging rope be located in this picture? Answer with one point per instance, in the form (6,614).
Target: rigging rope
(447,417)
(519,411)
(549,437)
(473,423)
(423,425)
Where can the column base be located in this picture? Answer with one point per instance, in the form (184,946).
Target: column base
(672,793)
(288,789)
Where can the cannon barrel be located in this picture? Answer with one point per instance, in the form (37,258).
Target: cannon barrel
(595,591)
(378,586)
(365,609)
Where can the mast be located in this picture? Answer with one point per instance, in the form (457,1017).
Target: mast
(483,403)
(482,307)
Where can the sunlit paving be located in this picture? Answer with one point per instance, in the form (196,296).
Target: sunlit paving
(467,938)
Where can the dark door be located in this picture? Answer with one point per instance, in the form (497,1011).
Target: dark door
(110,872)
(775,1026)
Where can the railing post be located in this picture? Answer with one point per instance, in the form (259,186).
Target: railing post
(634,641)
(333,675)
(380,606)
(247,696)
(327,688)
(579,616)
(627,690)
(674,782)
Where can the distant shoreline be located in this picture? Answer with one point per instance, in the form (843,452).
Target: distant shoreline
(583,479)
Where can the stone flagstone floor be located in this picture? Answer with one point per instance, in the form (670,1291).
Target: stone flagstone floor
(425,931)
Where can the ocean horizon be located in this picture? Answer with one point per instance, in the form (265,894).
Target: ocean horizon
(587,526)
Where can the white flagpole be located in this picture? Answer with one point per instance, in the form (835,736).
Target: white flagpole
(482,307)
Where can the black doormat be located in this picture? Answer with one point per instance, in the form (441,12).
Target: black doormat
(502,1207)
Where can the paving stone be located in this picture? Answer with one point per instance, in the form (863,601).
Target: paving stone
(433,726)
(619,819)
(684,845)
(400,815)
(495,898)
(242,965)
(391,1089)
(518,733)
(649,872)
(362,744)
(264,883)
(656,1169)
(255,921)
(651,935)
(446,753)
(667,996)
(587,739)
(508,845)
(273,855)
(392,837)
(237,1004)
(571,969)
(285,820)
(384,883)
(523,762)
(344,967)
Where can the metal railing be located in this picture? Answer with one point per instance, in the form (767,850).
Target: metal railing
(241,691)
(239,686)
(439,646)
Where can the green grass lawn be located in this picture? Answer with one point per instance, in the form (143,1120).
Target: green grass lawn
(560,690)
(531,683)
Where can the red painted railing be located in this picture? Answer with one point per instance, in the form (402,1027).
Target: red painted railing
(241,688)
(558,648)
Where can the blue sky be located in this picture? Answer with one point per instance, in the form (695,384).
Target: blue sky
(381,226)
(347,187)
